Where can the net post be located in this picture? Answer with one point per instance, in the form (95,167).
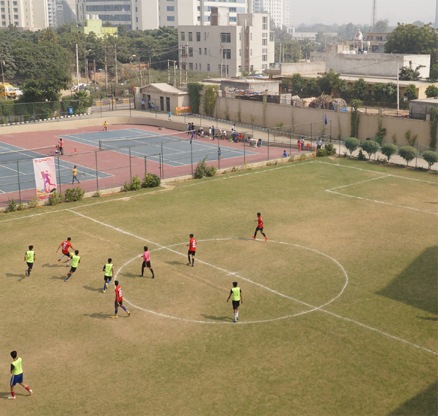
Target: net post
(145,164)
(100,144)
(330,131)
(130,164)
(162,160)
(19,184)
(97,171)
(59,176)
(191,156)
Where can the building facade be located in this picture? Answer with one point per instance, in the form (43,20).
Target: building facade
(228,50)
(24,14)
(275,8)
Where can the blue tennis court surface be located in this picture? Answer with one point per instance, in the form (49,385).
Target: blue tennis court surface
(176,149)
(12,172)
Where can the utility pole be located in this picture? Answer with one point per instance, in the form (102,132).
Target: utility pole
(398,89)
(106,73)
(139,71)
(168,72)
(187,60)
(115,61)
(180,64)
(94,69)
(149,71)
(174,73)
(77,65)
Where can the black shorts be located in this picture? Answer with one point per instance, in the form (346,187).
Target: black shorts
(73,269)
(259,229)
(192,252)
(107,278)
(236,304)
(117,304)
(30,265)
(147,264)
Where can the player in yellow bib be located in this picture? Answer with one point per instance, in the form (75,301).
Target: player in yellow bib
(17,374)
(75,260)
(236,295)
(108,270)
(29,258)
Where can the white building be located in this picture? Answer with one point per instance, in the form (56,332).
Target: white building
(227,50)
(24,14)
(275,8)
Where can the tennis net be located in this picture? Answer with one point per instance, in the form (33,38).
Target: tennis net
(25,154)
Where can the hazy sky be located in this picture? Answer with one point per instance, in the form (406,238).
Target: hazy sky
(360,11)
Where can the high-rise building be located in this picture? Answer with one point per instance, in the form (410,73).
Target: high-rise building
(24,14)
(275,8)
(436,15)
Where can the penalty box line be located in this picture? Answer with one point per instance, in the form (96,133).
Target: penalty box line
(258,284)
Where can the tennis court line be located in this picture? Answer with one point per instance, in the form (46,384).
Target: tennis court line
(264,287)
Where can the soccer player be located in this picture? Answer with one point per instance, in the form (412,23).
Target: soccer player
(105,126)
(109,274)
(259,226)
(146,262)
(119,300)
(65,246)
(17,375)
(236,293)
(29,258)
(75,260)
(192,250)
(75,174)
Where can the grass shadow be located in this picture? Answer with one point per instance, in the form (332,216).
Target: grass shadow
(423,404)
(51,265)
(175,263)
(426,318)
(131,275)
(98,315)
(417,285)
(216,318)
(93,289)
(21,276)
(60,277)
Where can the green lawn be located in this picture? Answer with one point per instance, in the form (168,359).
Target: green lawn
(339,314)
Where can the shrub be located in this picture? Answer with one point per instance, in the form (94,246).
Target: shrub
(201,169)
(55,198)
(20,207)
(330,149)
(322,153)
(302,157)
(361,156)
(211,171)
(408,153)
(430,157)
(431,91)
(12,206)
(292,158)
(411,140)
(351,144)
(389,149)
(33,203)
(75,194)
(370,146)
(150,180)
(97,194)
(136,183)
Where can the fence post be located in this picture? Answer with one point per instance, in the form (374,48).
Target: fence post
(191,155)
(274,135)
(268,145)
(162,160)
(59,176)
(130,164)
(19,185)
(145,164)
(416,157)
(97,171)
(290,141)
(330,131)
(311,132)
(244,152)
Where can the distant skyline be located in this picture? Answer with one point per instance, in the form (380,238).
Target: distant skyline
(360,12)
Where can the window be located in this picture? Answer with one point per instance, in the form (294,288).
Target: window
(16,16)
(208,67)
(200,67)
(205,35)
(136,19)
(233,19)
(226,53)
(239,68)
(191,52)
(264,66)
(264,35)
(170,18)
(196,67)
(3,9)
(191,67)
(232,9)
(198,36)
(264,51)
(170,8)
(190,37)
(136,10)
(15,10)
(251,68)
(3,16)
(205,51)
(271,36)
(200,51)
(240,52)
(264,23)
(265,42)
(226,37)
(3,23)
(199,8)
(264,58)
(15,3)
(183,35)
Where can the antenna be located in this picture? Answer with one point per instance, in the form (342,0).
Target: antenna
(374,16)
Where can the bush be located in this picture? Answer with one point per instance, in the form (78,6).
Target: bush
(55,198)
(389,149)
(75,194)
(150,180)
(291,159)
(351,144)
(12,206)
(321,153)
(135,185)
(361,156)
(330,149)
(431,91)
(370,146)
(408,153)
(33,203)
(20,207)
(97,194)
(202,170)
(211,171)
(430,157)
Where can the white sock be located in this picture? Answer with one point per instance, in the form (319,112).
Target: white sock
(235,316)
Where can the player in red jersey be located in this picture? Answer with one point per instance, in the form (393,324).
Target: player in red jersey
(192,250)
(65,245)
(119,300)
(259,226)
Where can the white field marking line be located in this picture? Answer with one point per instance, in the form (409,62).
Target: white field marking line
(154,192)
(357,183)
(271,290)
(384,203)
(374,171)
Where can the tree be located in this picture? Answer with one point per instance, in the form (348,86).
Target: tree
(411,92)
(355,104)
(370,146)
(381,131)
(351,144)
(389,149)
(390,92)
(297,82)
(411,39)
(312,87)
(379,91)
(408,153)
(329,82)
(360,89)
(47,35)
(432,91)
(381,26)
(6,56)
(430,157)
(195,96)
(410,74)
(211,92)
(344,89)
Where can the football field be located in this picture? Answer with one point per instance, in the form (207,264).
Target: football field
(340,304)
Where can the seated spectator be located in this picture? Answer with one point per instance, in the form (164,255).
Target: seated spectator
(259,143)
(284,154)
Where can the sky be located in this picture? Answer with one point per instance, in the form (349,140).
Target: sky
(360,11)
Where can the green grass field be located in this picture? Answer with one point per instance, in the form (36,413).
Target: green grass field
(339,314)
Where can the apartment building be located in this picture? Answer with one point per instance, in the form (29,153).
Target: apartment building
(24,14)
(228,50)
(275,8)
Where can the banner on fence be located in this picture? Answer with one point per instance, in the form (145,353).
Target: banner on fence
(45,176)
(183,111)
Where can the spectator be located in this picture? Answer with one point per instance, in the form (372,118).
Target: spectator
(319,143)
(142,104)
(285,154)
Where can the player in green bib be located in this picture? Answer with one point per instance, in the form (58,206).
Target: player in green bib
(29,258)
(108,270)
(75,260)
(236,293)
(17,374)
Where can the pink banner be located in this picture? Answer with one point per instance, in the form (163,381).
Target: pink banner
(45,176)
